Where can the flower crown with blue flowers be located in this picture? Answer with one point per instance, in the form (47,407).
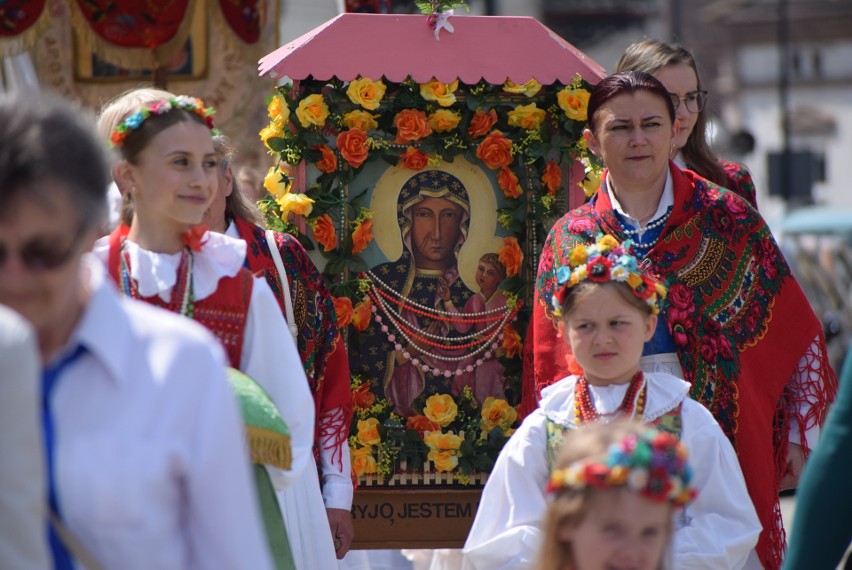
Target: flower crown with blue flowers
(652,463)
(182,102)
(603,261)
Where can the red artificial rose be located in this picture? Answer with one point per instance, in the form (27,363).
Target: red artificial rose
(328,162)
(414,159)
(481,123)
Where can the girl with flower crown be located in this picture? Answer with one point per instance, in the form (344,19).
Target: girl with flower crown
(168,168)
(614,489)
(608,311)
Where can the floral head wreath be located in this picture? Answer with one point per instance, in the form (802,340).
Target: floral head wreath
(652,463)
(603,261)
(182,102)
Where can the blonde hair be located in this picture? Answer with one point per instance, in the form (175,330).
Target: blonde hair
(111,115)
(570,505)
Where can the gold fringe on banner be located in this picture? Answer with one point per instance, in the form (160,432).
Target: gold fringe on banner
(10,46)
(132,58)
(269,447)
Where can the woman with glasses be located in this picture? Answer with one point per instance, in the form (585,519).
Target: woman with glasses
(143,443)
(735,324)
(676,69)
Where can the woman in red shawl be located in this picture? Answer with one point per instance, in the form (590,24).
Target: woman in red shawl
(736,325)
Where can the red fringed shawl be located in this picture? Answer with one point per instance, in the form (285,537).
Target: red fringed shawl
(223,313)
(740,322)
(319,342)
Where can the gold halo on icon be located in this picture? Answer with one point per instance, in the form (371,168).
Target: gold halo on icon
(483,214)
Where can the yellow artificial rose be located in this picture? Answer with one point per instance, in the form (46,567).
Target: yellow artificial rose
(294,203)
(312,111)
(441,409)
(365,92)
(438,441)
(529,88)
(361,120)
(444,120)
(497,412)
(443,460)
(575,103)
(442,93)
(275,183)
(368,432)
(591,182)
(278,110)
(363,462)
(270,131)
(527,117)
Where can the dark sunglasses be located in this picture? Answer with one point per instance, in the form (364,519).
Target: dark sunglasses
(40,255)
(694,100)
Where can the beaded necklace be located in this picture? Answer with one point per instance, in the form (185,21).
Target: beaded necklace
(183,299)
(632,406)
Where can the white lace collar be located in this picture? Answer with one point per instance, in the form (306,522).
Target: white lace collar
(665,392)
(156,273)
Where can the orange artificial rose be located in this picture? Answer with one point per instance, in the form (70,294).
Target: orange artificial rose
(312,111)
(414,159)
(511,256)
(422,424)
(343,310)
(512,343)
(527,116)
(508,182)
(362,397)
(368,432)
(325,234)
(328,162)
(363,462)
(444,120)
(552,178)
(366,92)
(359,119)
(481,123)
(362,236)
(352,145)
(362,314)
(495,150)
(442,93)
(575,103)
(411,125)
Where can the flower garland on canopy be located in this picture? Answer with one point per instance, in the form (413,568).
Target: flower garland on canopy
(526,134)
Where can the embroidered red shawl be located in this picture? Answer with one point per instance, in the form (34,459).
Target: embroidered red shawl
(224,312)
(320,345)
(741,324)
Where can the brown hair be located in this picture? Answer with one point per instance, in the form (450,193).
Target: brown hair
(626,82)
(651,56)
(569,506)
(236,204)
(585,288)
(493,260)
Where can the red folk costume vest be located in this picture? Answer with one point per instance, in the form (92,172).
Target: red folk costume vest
(741,325)
(319,343)
(224,312)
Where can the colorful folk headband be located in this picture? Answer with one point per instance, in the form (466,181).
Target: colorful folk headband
(182,102)
(603,261)
(652,463)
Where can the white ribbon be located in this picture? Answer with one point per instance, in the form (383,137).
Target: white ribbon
(442,20)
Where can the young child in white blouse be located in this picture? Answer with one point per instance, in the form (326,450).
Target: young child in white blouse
(609,310)
(614,489)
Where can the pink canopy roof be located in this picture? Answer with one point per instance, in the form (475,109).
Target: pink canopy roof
(494,48)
